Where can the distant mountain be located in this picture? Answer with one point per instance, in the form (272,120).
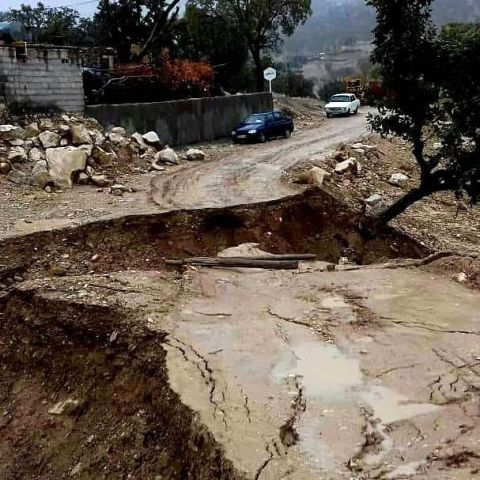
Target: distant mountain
(340,22)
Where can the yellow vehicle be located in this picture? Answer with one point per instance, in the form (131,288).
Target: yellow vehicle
(354,85)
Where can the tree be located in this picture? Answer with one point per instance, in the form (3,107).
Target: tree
(58,26)
(433,96)
(259,23)
(136,28)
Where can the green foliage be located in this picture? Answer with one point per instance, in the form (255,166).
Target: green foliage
(137,28)
(259,23)
(434,89)
(58,26)
(330,88)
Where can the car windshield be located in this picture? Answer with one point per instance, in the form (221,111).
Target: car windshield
(340,98)
(255,119)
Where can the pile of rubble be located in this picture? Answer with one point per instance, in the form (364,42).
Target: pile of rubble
(54,152)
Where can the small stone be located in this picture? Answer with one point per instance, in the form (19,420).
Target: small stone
(40,174)
(64,129)
(35,154)
(373,200)
(32,130)
(152,138)
(17,142)
(167,155)
(11,132)
(118,130)
(116,191)
(138,140)
(312,176)
(194,154)
(46,124)
(460,277)
(76,469)
(398,180)
(100,180)
(347,165)
(17,155)
(82,178)
(63,142)
(80,135)
(66,407)
(339,156)
(97,137)
(49,139)
(103,157)
(116,138)
(48,189)
(5,168)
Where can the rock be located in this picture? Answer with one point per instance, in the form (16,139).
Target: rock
(119,186)
(97,137)
(86,148)
(116,191)
(339,156)
(66,407)
(194,154)
(116,138)
(167,155)
(100,180)
(32,130)
(156,167)
(40,174)
(66,118)
(5,168)
(49,139)
(90,171)
(80,135)
(360,151)
(362,146)
(312,176)
(460,277)
(398,180)
(64,129)
(17,155)
(77,469)
(63,142)
(46,124)
(48,189)
(118,131)
(152,139)
(102,157)
(11,132)
(138,139)
(36,142)
(82,178)
(18,177)
(349,165)
(17,142)
(63,162)
(374,200)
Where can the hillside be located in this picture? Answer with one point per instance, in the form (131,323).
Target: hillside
(340,22)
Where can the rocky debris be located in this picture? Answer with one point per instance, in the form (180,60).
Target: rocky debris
(339,156)
(5,168)
(103,157)
(11,132)
(97,137)
(32,130)
(312,176)
(374,200)
(80,135)
(49,139)
(194,154)
(87,148)
(46,124)
(63,162)
(363,147)
(118,131)
(151,138)
(100,181)
(349,165)
(138,139)
(117,139)
(35,154)
(119,189)
(69,406)
(156,167)
(460,277)
(17,142)
(167,155)
(40,175)
(398,180)
(83,178)
(17,155)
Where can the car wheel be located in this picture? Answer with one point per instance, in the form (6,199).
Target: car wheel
(262,138)
(288,133)
(349,112)
(328,115)
(356,111)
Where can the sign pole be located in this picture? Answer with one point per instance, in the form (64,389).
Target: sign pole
(270,86)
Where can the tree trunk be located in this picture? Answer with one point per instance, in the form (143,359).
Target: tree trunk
(257,60)
(403,203)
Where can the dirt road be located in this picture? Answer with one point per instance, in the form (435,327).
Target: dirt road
(253,172)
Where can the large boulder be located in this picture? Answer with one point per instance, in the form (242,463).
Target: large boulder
(194,154)
(49,139)
(167,155)
(80,135)
(63,162)
(11,132)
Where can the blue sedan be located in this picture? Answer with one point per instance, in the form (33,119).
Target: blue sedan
(262,126)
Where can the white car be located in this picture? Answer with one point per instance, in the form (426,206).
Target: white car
(342,104)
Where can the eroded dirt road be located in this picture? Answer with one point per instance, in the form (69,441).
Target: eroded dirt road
(253,173)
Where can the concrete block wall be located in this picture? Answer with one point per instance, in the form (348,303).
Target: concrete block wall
(45,79)
(181,122)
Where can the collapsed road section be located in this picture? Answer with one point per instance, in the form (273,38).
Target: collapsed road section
(116,365)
